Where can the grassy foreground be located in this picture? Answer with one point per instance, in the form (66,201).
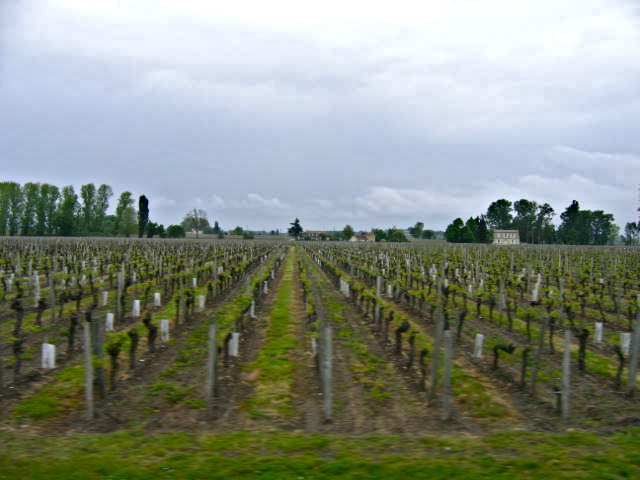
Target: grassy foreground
(134,455)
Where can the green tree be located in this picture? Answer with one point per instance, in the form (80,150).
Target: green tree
(30,194)
(568,230)
(14,198)
(143,215)
(525,219)
(603,229)
(544,230)
(499,214)
(466,235)
(237,231)
(416,230)
(586,227)
(397,236)
(549,234)
(128,223)
(614,236)
(428,234)
(195,219)
(381,235)
(347,232)
(125,223)
(471,227)
(101,205)
(175,231)
(631,234)
(109,225)
(151,229)
(88,209)
(482,233)
(46,209)
(4,208)
(453,233)
(66,216)
(296,229)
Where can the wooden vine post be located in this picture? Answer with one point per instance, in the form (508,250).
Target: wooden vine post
(446,380)
(633,355)
(437,346)
(88,371)
(97,344)
(566,375)
(326,375)
(120,283)
(211,369)
(52,296)
(1,372)
(537,357)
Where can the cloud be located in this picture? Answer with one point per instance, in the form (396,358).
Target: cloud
(440,205)
(216,201)
(407,201)
(161,202)
(256,201)
(323,203)
(592,195)
(213,201)
(279,98)
(369,112)
(615,168)
(438,70)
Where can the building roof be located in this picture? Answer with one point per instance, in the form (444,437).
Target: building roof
(507,231)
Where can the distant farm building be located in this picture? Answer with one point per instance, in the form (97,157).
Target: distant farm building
(363,237)
(314,235)
(506,237)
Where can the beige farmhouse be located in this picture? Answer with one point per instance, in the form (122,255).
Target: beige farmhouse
(506,237)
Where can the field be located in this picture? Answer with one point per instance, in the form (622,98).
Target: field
(331,360)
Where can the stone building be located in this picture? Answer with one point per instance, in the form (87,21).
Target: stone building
(506,237)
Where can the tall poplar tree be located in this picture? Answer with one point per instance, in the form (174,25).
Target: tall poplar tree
(66,217)
(15,203)
(143,215)
(46,209)
(88,194)
(102,204)
(125,215)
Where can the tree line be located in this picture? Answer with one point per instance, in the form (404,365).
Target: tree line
(39,209)
(534,224)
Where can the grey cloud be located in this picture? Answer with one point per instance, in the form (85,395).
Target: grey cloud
(359,113)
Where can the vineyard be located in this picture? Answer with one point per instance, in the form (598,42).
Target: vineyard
(113,335)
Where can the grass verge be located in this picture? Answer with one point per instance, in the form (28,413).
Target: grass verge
(273,390)
(129,455)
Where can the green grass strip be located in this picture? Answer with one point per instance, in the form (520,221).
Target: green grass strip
(129,455)
(273,391)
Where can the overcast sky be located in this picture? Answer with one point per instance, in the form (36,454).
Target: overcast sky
(368,113)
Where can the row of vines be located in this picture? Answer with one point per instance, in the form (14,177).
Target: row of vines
(559,325)
(90,315)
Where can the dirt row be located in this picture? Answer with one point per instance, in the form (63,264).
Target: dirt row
(373,392)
